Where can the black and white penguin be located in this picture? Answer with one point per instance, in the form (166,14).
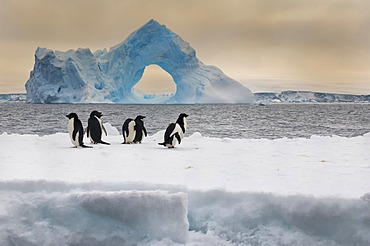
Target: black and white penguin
(75,130)
(175,132)
(95,128)
(140,131)
(128,131)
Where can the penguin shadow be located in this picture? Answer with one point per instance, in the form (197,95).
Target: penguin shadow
(79,147)
(180,149)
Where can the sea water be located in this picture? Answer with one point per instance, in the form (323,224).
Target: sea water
(212,120)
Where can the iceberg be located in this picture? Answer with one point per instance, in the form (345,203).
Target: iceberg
(14,97)
(309,97)
(80,76)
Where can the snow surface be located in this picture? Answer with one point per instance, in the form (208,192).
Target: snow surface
(207,191)
(80,76)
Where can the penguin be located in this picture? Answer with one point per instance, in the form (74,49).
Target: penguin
(175,132)
(95,128)
(75,130)
(139,129)
(128,131)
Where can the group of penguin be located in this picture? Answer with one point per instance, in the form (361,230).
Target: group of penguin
(133,130)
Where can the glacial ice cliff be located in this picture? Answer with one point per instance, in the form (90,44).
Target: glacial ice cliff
(80,76)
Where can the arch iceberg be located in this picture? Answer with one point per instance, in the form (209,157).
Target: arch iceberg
(80,76)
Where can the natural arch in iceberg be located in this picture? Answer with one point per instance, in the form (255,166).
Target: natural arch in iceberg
(109,76)
(155,86)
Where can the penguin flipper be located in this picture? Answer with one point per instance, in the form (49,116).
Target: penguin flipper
(74,133)
(177,135)
(102,142)
(145,133)
(87,131)
(169,131)
(105,131)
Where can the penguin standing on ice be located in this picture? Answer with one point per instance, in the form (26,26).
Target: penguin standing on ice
(140,131)
(95,128)
(75,130)
(128,131)
(175,132)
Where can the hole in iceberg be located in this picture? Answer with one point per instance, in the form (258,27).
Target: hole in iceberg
(155,86)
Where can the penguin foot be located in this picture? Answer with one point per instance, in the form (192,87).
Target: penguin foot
(102,142)
(85,146)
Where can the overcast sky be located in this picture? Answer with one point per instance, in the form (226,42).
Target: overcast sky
(268,45)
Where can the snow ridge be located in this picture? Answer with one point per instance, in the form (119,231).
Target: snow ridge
(102,213)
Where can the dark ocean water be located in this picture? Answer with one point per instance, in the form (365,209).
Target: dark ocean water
(221,121)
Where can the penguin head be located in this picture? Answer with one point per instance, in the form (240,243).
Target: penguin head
(139,117)
(128,120)
(180,120)
(183,115)
(72,115)
(96,113)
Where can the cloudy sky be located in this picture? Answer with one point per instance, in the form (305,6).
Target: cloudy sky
(268,45)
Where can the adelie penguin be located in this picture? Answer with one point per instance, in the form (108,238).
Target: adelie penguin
(75,130)
(95,128)
(175,132)
(133,131)
(140,131)
(128,131)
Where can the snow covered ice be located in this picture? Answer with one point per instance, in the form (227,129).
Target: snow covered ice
(207,191)
(154,215)
(308,96)
(80,76)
